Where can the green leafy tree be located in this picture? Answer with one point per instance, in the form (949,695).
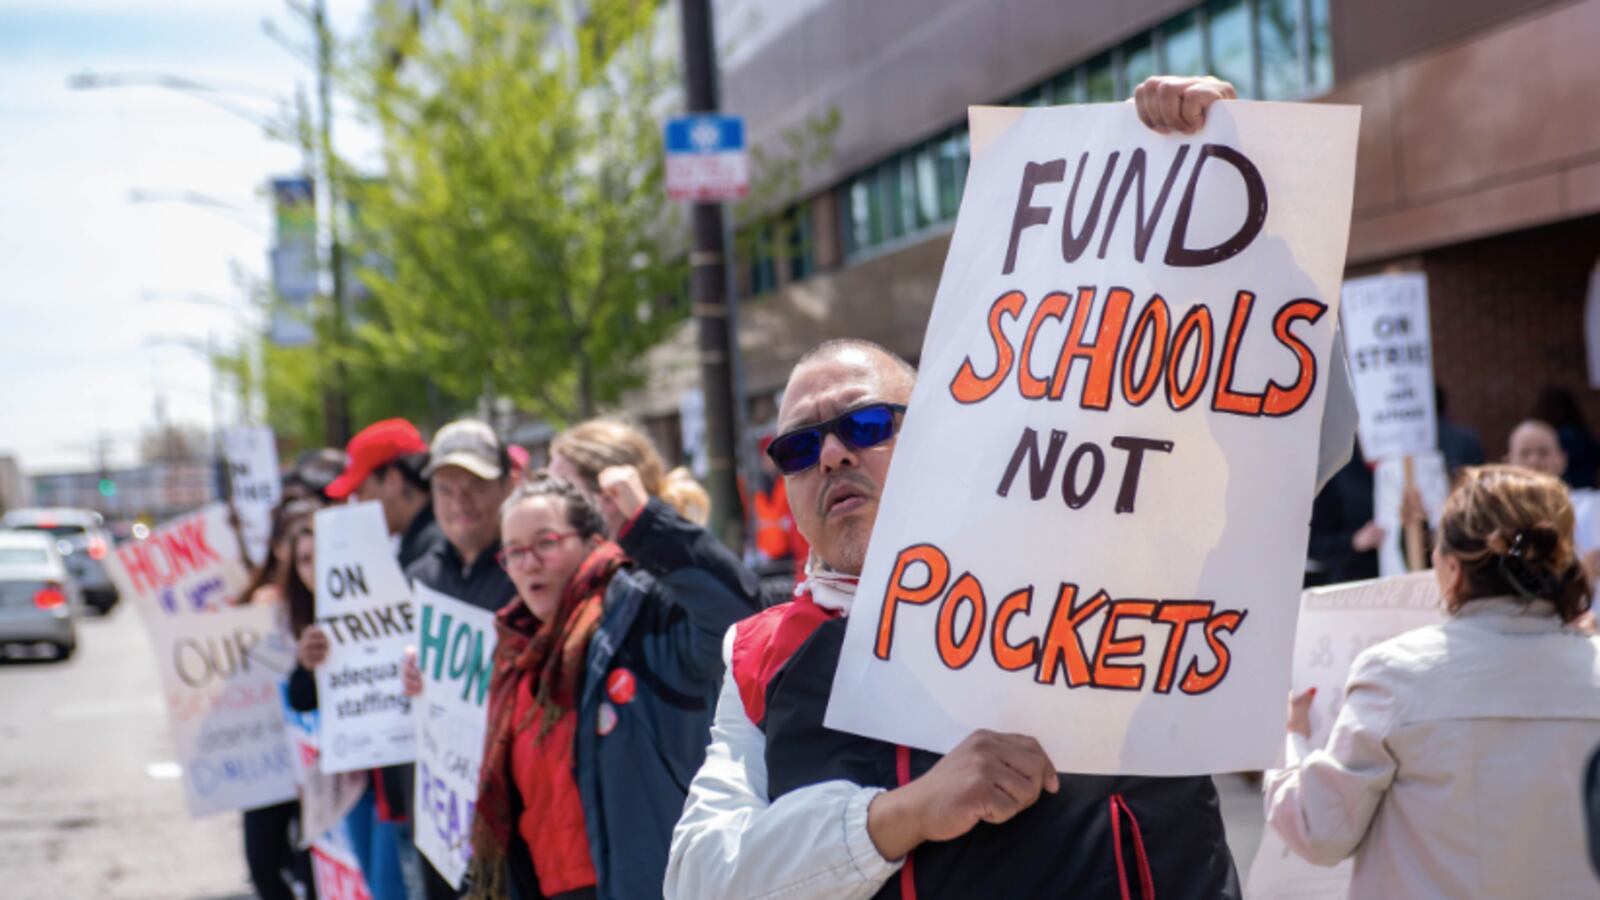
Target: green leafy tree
(528,249)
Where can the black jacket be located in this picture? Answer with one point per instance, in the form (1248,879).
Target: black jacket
(483,584)
(1065,845)
(1340,510)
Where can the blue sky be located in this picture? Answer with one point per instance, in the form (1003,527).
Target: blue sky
(82,353)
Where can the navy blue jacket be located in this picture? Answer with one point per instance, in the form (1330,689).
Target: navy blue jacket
(649,691)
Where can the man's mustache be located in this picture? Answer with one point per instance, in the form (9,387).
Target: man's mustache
(855,479)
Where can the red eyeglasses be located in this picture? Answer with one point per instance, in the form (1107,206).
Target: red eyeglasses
(517,555)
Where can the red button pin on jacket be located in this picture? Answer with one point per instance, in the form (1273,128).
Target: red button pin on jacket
(620,686)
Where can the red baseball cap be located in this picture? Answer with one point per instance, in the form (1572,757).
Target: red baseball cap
(373,446)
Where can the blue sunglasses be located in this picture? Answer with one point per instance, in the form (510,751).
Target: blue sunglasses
(868,426)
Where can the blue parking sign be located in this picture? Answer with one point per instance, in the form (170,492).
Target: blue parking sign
(706,160)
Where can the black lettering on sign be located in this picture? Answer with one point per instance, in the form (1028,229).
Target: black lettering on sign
(347,581)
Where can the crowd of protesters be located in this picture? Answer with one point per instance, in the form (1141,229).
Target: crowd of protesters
(655,724)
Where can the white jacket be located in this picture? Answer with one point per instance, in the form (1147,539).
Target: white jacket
(1455,767)
(732,843)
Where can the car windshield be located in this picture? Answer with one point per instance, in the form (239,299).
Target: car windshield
(20,556)
(57,530)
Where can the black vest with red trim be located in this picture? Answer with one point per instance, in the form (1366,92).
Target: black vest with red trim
(1111,837)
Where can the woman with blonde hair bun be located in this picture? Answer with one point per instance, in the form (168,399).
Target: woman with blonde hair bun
(1455,766)
(596,455)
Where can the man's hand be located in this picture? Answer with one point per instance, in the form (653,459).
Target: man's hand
(623,489)
(988,777)
(312,649)
(1168,103)
(1367,537)
(410,674)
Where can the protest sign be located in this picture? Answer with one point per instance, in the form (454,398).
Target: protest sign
(1100,496)
(189,564)
(220,675)
(1390,345)
(325,801)
(456,654)
(364,605)
(1388,489)
(252,456)
(1336,624)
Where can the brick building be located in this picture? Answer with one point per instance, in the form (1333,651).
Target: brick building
(1479,160)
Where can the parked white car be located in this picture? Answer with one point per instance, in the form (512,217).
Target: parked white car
(39,600)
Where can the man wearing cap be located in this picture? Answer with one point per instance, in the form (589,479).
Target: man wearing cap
(469,474)
(385,463)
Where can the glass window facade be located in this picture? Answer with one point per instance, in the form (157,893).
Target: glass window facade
(1269,49)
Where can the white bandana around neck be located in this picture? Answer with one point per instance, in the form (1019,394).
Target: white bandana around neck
(828,589)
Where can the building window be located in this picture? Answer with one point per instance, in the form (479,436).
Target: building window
(927,169)
(1275,49)
(1319,48)
(1278,30)
(1228,30)
(1138,62)
(1182,50)
(953,161)
(798,253)
(1102,81)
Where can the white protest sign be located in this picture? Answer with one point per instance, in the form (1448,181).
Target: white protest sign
(220,673)
(252,456)
(364,605)
(1100,496)
(1388,490)
(189,564)
(456,653)
(1387,336)
(1336,624)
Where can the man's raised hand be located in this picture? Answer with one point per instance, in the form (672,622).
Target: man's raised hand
(1169,103)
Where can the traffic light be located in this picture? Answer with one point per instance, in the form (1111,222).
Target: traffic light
(108,488)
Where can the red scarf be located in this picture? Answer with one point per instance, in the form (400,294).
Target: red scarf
(550,656)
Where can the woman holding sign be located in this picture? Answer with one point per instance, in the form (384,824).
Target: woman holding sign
(600,702)
(1455,767)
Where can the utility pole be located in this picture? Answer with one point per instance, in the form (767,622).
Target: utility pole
(708,288)
(335,401)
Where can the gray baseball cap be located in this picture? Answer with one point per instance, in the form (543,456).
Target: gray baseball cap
(468,444)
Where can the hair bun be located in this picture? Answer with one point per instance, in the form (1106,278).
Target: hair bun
(1536,543)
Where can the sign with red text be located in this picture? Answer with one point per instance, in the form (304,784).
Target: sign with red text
(1336,624)
(325,804)
(364,605)
(455,650)
(190,564)
(1391,363)
(220,673)
(1100,495)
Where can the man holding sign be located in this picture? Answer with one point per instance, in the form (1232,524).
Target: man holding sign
(790,803)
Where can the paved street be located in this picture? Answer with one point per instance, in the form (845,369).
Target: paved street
(89,803)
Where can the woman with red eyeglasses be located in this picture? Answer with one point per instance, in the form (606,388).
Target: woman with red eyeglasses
(605,678)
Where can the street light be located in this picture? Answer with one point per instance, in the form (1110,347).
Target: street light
(205,92)
(240,215)
(192,298)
